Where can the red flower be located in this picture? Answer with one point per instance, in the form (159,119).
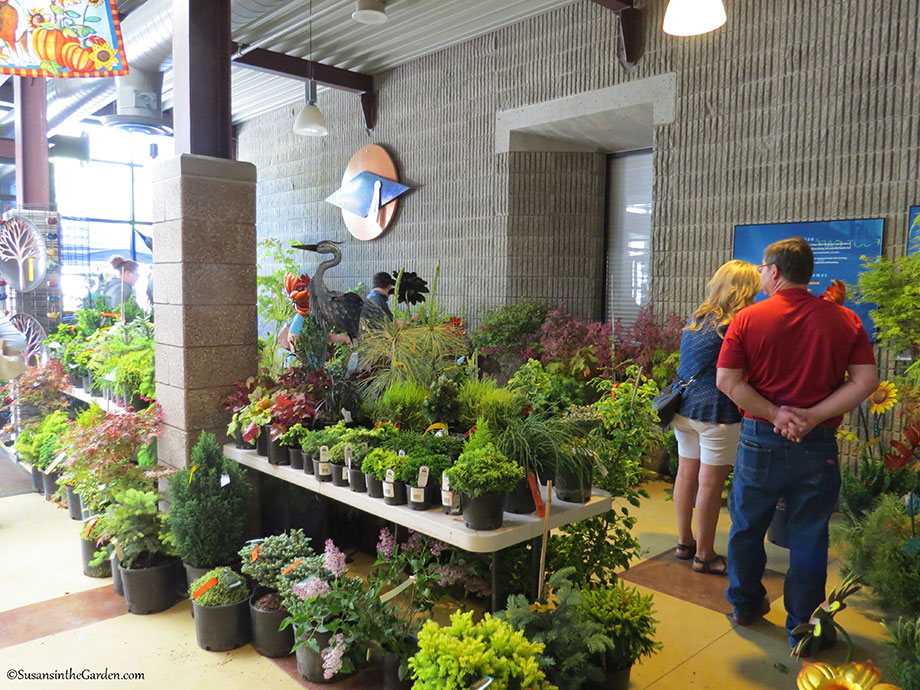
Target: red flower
(836,292)
(893,463)
(912,434)
(901,448)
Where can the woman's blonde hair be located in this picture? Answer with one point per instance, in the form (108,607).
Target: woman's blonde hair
(732,288)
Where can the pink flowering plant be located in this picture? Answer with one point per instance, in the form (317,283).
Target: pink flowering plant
(325,599)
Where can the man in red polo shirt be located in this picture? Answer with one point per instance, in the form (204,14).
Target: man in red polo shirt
(785,362)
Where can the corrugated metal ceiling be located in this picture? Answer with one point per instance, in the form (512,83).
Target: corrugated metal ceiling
(415,28)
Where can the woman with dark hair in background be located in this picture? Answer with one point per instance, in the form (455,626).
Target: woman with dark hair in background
(119,288)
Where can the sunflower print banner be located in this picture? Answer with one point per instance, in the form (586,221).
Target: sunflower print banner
(61,39)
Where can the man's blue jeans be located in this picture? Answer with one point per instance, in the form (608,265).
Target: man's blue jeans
(807,477)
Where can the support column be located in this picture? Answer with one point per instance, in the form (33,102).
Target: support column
(33,184)
(205,296)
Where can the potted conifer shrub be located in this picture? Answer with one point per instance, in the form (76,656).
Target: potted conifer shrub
(483,476)
(220,600)
(210,501)
(151,574)
(375,467)
(424,484)
(265,561)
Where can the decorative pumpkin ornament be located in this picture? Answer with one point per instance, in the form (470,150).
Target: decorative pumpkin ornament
(854,675)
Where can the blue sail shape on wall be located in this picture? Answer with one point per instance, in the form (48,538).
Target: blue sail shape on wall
(357,195)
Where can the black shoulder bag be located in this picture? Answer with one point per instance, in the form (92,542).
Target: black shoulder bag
(667,402)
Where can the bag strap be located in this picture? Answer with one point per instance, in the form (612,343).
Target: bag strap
(704,368)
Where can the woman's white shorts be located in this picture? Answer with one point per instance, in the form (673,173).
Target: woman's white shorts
(711,444)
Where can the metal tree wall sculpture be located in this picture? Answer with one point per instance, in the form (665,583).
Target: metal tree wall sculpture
(23,255)
(27,324)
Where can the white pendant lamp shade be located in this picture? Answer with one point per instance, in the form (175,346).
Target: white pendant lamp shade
(310,121)
(693,17)
(369,12)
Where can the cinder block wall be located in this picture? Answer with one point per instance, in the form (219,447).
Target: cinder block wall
(792,111)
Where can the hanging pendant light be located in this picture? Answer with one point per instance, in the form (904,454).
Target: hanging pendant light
(369,12)
(693,17)
(310,121)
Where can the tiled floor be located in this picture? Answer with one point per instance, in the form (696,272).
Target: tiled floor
(53,618)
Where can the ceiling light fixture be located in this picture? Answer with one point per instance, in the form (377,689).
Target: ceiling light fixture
(310,121)
(369,12)
(693,17)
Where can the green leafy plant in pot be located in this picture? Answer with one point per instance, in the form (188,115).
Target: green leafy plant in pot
(483,475)
(375,467)
(265,561)
(626,617)
(220,599)
(422,497)
(152,576)
(457,655)
(209,506)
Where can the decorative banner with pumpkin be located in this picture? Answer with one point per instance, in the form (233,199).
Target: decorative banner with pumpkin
(61,39)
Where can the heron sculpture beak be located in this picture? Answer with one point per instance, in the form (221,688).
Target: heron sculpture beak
(305,247)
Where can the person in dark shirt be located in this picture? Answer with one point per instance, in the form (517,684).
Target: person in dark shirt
(383,285)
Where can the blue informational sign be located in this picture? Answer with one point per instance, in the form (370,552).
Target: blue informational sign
(913,230)
(838,246)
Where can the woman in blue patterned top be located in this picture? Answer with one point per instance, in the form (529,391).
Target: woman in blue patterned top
(707,424)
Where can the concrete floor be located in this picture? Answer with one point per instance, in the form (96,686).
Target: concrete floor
(53,618)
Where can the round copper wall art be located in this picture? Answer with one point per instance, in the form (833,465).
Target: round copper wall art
(369,193)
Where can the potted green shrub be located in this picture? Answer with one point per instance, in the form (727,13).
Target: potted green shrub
(375,466)
(313,441)
(264,561)
(292,439)
(338,455)
(575,471)
(626,617)
(210,502)
(483,476)
(220,601)
(152,575)
(92,539)
(457,655)
(403,403)
(423,496)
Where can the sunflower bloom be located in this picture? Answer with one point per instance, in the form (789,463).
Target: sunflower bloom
(852,676)
(884,398)
(102,55)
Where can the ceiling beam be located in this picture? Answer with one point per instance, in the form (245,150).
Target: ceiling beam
(305,70)
(616,5)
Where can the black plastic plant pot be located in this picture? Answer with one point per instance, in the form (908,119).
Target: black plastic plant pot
(322,470)
(88,548)
(374,486)
(267,639)
(573,486)
(394,493)
(262,443)
(613,680)
(296,458)
(240,443)
(74,506)
(76,380)
(222,628)
(484,512)
(151,590)
(49,483)
(116,576)
(87,382)
(520,500)
(277,454)
(339,475)
(357,480)
(418,498)
(38,485)
(192,573)
(310,663)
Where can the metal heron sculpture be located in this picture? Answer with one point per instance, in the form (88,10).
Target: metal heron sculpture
(347,311)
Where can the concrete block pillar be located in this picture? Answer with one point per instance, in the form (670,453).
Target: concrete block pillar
(204,266)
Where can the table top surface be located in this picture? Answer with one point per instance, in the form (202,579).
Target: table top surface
(434,522)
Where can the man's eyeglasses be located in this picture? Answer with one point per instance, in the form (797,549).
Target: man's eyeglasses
(761,267)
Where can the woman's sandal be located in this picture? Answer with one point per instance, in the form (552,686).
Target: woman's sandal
(706,567)
(684,552)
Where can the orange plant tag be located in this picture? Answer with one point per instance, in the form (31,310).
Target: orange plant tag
(535,490)
(204,588)
(255,553)
(291,567)
(89,527)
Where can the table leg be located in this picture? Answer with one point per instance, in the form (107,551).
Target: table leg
(495,579)
(535,545)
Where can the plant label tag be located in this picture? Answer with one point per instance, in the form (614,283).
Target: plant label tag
(401,453)
(391,476)
(325,469)
(204,588)
(423,476)
(388,491)
(417,495)
(89,527)
(119,552)
(445,482)
(224,480)
(440,432)
(346,415)
(349,452)
(345,473)
(352,365)
(57,461)
(535,492)
(447,498)
(230,580)
(324,454)
(600,466)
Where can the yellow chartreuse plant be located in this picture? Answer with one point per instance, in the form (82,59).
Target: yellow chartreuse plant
(855,675)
